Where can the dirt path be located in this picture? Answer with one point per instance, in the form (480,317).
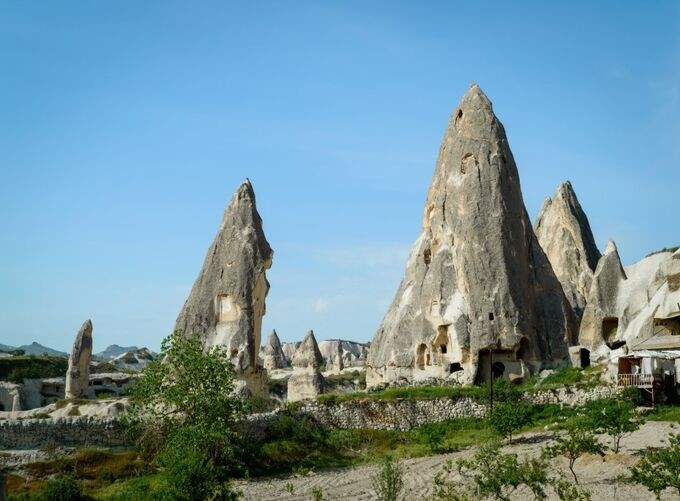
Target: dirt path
(600,477)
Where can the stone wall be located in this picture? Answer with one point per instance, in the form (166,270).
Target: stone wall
(405,414)
(398,414)
(392,414)
(66,432)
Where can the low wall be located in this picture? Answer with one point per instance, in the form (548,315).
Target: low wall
(398,414)
(392,414)
(405,414)
(65,431)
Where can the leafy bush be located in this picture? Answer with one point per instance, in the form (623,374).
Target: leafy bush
(659,469)
(614,417)
(507,418)
(63,488)
(184,410)
(578,440)
(388,483)
(16,369)
(494,474)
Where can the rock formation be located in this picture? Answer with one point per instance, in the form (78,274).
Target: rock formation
(476,279)
(564,233)
(289,350)
(78,372)
(227,302)
(273,357)
(306,381)
(632,308)
(333,354)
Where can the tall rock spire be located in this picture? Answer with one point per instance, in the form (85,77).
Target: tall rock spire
(227,302)
(78,372)
(476,279)
(272,354)
(306,381)
(564,233)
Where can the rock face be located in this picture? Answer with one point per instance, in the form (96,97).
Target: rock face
(227,302)
(333,354)
(306,381)
(273,353)
(134,360)
(636,308)
(78,372)
(564,233)
(476,278)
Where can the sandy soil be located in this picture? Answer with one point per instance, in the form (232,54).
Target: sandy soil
(598,476)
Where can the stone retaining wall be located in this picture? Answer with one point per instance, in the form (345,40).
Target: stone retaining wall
(65,431)
(405,414)
(398,414)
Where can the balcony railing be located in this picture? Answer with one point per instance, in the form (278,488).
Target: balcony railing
(639,380)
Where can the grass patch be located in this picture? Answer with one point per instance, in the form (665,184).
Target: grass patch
(664,413)
(94,467)
(415,392)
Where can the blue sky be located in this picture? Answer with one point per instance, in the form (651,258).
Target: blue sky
(126,127)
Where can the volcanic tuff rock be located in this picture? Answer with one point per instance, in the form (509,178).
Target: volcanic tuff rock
(333,354)
(78,372)
(306,381)
(227,302)
(476,278)
(273,354)
(564,233)
(633,308)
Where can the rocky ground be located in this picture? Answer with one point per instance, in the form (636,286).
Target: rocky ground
(598,476)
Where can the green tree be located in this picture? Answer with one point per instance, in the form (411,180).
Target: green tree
(659,469)
(614,417)
(578,440)
(507,418)
(184,410)
(498,475)
(388,483)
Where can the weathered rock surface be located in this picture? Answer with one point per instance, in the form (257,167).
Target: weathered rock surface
(227,302)
(272,354)
(134,360)
(632,308)
(306,381)
(332,353)
(78,372)
(289,350)
(477,278)
(564,233)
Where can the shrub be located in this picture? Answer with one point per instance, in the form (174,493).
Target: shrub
(184,410)
(614,417)
(507,418)
(659,469)
(579,440)
(388,483)
(63,488)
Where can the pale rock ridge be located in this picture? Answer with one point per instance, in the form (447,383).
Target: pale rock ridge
(333,354)
(563,230)
(227,301)
(632,308)
(306,382)
(477,278)
(272,354)
(78,372)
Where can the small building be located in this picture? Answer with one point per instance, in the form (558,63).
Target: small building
(652,364)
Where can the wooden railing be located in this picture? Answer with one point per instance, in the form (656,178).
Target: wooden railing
(639,380)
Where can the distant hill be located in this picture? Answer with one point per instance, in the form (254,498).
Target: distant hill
(113,351)
(38,349)
(6,347)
